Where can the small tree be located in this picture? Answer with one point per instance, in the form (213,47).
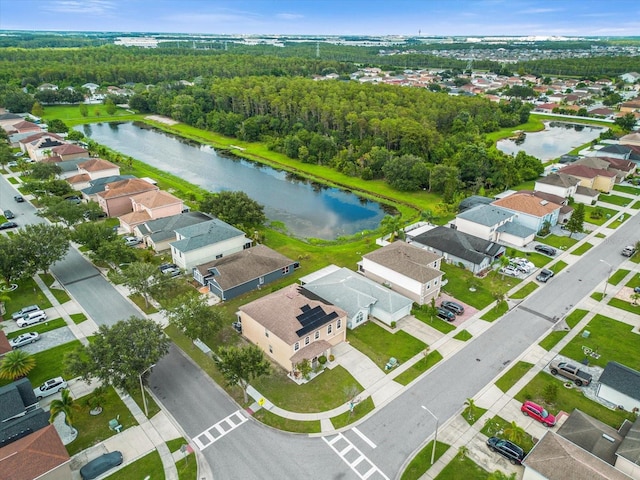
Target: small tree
(66,405)
(392,225)
(304,367)
(550,393)
(471,408)
(141,279)
(576,222)
(196,319)
(16,364)
(241,365)
(515,433)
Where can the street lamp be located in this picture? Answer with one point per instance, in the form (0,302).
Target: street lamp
(604,293)
(435,436)
(144,399)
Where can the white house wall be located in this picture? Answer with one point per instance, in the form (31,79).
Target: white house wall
(618,398)
(628,467)
(392,277)
(514,240)
(475,229)
(531,474)
(188,260)
(388,317)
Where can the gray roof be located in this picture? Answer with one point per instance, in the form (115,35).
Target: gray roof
(619,149)
(408,260)
(487,215)
(70,165)
(242,267)
(459,244)
(353,292)
(205,233)
(98,185)
(15,397)
(630,446)
(622,379)
(472,201)
(587,432)
(586,191)
(9,116)
(559,180)
(164,228)
(516,230)
(19,412)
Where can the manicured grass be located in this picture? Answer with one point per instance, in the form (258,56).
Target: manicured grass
(60,294)
(627,306)
(589,209)
(615,199)
(524,291)
(459,280)
(626,189)
(149,466)
(597,296)
(13,180)
(175,444)
(93,429)
(582,249)
(617,277)
(422,461)
(568,399)
(463,335)
(27,293)
(600,235)
(636,205)
(78,318)
(462,467)
(70,114)
(287,424)
(418,368)
(40,327)
(187,468)
(558,266)
(380,345)
(511,377)
(433,321)
(612,339)
(494,427)
(139,301)
(473,418)
(496,312)
(538,259)
(635,281)
(360,410)
(152,406)
(557,241)
(553,338)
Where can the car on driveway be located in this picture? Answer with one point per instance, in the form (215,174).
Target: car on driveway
(24,339)
(132,241)
(452,307)
(507,449)
(445,314)
(100,465)
(544,275)
(50,387)
(535,411)
(18,198)
(23,311)
(546,249)
(509,270)
(32,318)
(6,225)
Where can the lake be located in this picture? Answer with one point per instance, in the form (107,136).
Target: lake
(308,210)
(557,139)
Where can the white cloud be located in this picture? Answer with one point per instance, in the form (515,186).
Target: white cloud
(93,7)
(535,11)
(289,16)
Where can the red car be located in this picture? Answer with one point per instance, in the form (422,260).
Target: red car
(534,410)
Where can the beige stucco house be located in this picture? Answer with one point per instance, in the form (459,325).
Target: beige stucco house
(115,200)
(150,205)
(292,325)
(598,179)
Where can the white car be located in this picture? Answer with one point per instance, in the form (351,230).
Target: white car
(509,271)
(50,387)
(24,339)
(132,241)
(32,318)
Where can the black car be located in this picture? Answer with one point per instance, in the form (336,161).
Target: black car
(5,225)
(453,307)
(100,465)
(507,449)
(9,214)
(18,198)
(544,275)
(445,314)
(547,250)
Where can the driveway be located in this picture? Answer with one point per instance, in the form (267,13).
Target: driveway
(48,340)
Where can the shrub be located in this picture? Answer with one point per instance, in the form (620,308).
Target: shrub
(393,324)
(322,359)
(550,393)
(332,358)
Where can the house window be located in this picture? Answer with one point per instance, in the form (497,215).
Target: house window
(285,270)
(218,256)
(330,328)
(270,349)
(296,346)
(266,332)
(261,281)
(307,340)
(246,246)
(317,335)
(428,286)
(359,317)
(339,323)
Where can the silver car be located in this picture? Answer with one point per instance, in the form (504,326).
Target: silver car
(24,339)
(50,387)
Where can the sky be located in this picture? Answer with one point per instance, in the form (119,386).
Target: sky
(329,17)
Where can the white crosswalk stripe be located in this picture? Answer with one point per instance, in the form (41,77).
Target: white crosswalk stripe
(353,457)
(219,430)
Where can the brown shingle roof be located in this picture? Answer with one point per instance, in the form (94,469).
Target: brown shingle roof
(69,149)
(527,203)
(36,136)
(155,199)
(96,164)
(83,177)
(559,180)
(135,218)
(413,262)
(33,455)
(277,312)
(586,172)
(128,187)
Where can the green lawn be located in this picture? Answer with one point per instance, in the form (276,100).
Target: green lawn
(380,345)
(418,368)
(582,249)
(626,189)
(40,327)
(359,410)
(635,281)
(27,293)
(78,318)
(460,279)
(589,209)
(149,466)
(597,296)
(515,373)
(558,266)
(60,294)
(553,338)
(615,199)
(496,312)
(558,241)
(473,417)
(70,114)
(494,427)
(152,406)
(636,205)
(463,335)
(175,444)
(287,424)
(187,468)
(422,461)
(618,276)
(13,180)
(612,339)
(93,429)
(142,305)
(433,321)
(524,291)
(462,467)
(622,305)
(600,235)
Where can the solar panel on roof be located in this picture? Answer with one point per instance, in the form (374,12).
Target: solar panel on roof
(313,318)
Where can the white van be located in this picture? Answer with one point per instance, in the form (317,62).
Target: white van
(31,318)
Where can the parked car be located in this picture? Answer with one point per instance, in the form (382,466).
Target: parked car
(547,250)
(18,198)
(24,339)
(32,318)
(507,449)
(132,241)
(445,314)
(509,270)
(94,215)
(538,413)
(572,372)
(8,214)
(50,387)
(167,266)
(636,290)
(524,264)
(627,251)
(23,311)
(172,272)
(452,307)
(74,199)
(7,225)
(100,465)
(544,275)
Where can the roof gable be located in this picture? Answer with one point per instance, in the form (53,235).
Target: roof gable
(487,215)
(527,203)
(203,234)
(408,260)
(462,245)
(621,378)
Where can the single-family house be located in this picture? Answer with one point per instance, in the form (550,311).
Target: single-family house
(7,119)
(596,178)
(483,221)
(360,297)
(473,200)
(92,87)
(630,106)
(115,200)
(243,271)
(459,248)
(98,185)
(70,151)
(90,170)
(206,241)
(630,77)
(40,145)
(68,169)
(149,205)
(621,151)
(622,168)
(39,455)
(559,184)
(24,126)
(160,232)
(292,325)
(409,270)
(632,138)
(530,211)
(620,385)
(20,413)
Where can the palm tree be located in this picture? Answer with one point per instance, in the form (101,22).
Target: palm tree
(391,224)
(16,364)
(66,405)
(470,403)
(515,433)
(463,451)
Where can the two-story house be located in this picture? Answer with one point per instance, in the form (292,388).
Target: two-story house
(149,205)
(115,200)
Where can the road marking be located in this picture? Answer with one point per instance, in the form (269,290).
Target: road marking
(342,446)
(363,437)
(219,430)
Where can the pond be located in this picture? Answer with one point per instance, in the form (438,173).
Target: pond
(307,209)
(557,139)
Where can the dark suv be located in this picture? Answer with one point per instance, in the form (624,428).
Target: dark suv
(452,307)
(507,449)
(445,314)
(544,275)
(546,249)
